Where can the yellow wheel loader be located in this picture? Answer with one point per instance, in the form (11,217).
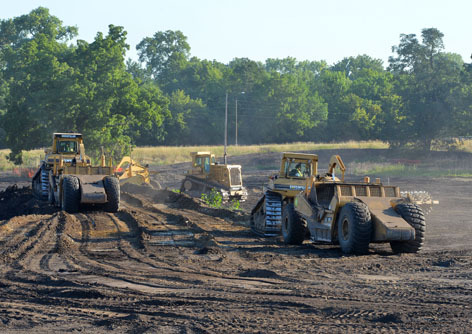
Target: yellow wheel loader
(207,174)
(67,178)
(354,214)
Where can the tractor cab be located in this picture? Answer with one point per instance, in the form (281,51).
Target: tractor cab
(201,162)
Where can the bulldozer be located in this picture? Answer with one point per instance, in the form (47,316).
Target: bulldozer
(131,171)
(354,214)
(67,178)
(295,169)
(207,174)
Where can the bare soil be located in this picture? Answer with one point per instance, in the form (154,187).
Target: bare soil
(169,263)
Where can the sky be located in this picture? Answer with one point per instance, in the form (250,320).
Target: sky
(260,29)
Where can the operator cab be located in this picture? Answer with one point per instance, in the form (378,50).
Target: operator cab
(67,143)
(203,160)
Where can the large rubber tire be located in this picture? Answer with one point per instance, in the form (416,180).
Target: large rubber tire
(354,228)
(293,230)
(70,194)
(414,216)
(112,189)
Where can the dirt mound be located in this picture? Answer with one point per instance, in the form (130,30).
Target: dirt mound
(144,195)
(15,201)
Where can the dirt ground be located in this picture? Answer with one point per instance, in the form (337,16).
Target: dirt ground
(168,263)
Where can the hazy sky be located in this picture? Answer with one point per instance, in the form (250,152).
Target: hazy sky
(261,29)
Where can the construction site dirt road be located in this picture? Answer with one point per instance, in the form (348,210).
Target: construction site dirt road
(168,263)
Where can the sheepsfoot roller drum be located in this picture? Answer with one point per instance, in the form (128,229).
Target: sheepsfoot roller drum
(206,174)
(67,178)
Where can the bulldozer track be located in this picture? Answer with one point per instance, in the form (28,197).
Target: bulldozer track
(168,263)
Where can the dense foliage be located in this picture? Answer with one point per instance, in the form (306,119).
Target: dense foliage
(49,84)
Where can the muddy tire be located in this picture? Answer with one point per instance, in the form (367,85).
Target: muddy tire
(112,189)
(354,228)
(70,201)
(293,230)
(414,216)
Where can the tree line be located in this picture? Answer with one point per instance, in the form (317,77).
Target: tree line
(51,81)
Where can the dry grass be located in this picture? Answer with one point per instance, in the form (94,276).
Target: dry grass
(164,155)
(31,159)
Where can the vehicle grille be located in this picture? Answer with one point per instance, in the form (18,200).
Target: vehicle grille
(235,175)
(389,191)
(375,192)
(361,191)
(346,191)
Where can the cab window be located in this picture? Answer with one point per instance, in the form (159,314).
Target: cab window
(198,162)
(206,165)
(67,146)
(297,169)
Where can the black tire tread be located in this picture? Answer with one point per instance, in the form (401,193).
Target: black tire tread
(362,227)
(297,231)
(414,216)
(70,194)
(112,189)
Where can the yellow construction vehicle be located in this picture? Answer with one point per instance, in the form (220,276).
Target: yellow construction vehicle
(207,174)
(353,214)
(67,178)
(131,171)
(295,169)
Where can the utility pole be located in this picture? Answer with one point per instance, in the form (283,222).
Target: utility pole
(236,139)
(226,127)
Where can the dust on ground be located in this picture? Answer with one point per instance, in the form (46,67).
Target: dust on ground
(169,263)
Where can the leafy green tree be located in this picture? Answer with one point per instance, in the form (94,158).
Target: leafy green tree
(354,66)
(139,74)
(84,88)
(428,76)
(164,53)
(189,121)
(112,108)
(296,110)
(33,47)
(3,96)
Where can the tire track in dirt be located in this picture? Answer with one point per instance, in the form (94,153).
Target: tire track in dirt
(166,263)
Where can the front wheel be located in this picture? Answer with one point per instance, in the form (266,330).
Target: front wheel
(293,229)
(354,228)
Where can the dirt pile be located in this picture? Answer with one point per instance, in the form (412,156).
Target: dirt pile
(15,201)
